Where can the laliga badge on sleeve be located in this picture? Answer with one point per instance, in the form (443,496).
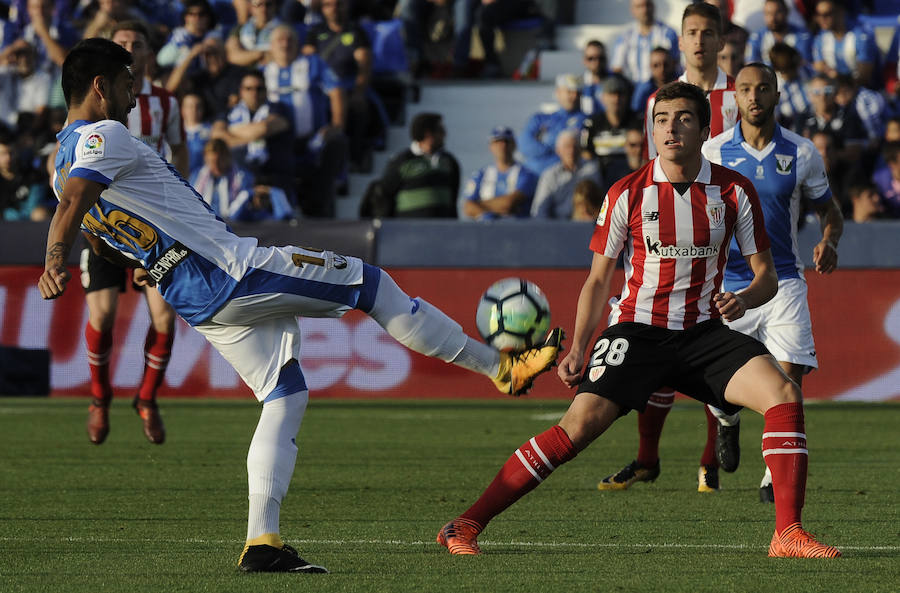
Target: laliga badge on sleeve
(93,146)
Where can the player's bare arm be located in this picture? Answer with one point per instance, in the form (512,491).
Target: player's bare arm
(589,313)
(825,255)
(79,195)
(760,291)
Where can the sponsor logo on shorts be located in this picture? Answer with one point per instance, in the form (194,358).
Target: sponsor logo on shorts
(167,262)
(655,247)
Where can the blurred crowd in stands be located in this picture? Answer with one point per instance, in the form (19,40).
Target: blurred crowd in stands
(280,100)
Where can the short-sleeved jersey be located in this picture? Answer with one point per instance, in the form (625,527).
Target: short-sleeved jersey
(490,182)
(631,52)
(788,169)
(676,245)
(723,110)
(844,54)
(301,86)
(149,213)
(156,119)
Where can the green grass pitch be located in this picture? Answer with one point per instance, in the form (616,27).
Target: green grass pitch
(375,481)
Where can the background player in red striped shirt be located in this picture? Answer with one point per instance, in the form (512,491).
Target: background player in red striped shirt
(155,120)
(674,219)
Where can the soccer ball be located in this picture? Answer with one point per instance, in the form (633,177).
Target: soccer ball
(513,315)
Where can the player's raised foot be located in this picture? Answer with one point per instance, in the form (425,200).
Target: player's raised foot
(518,369)
(265,558)
(459,536)
(708,479)
(154,429)
(628,475)
(98,421)
(728,447)
(794,542)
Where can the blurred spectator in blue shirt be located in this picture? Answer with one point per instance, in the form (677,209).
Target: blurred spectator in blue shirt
(553,197)
(248,43)
(596,72)
(664,69)
(197,128)
(793,102)
(778,30)
(537,142)
(631,52)
(186,41)
(840,49)
(504,188)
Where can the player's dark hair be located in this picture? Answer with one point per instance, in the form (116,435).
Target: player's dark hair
(424,123)
(135,26)
(685,90)
(770,72)
(890,151)
(88,59)
(707,11)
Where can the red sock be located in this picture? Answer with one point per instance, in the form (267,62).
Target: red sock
(522,472)
(99,346)
(650,425)
(712,428)
(784,450)
(157,350)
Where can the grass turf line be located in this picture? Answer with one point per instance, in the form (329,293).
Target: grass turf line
(375,480)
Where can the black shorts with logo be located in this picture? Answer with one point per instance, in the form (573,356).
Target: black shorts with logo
(632,360)
(98,273)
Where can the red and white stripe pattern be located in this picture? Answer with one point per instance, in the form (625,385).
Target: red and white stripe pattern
(534,460)
(784,443)
(156,362)
(723,111)
(99,359)
(662,399)
(676,245)
(156,120)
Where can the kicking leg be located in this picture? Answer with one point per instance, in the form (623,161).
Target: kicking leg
(762,385)
(587,418)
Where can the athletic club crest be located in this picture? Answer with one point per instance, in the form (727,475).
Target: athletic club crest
(729,113)
(784,163)
(596,372)
(716,213)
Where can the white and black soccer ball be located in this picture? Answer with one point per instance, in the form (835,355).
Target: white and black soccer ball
(513,315)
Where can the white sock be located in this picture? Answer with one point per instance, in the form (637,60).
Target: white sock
(767,479)
(423,328)
(271,459)
(725,419)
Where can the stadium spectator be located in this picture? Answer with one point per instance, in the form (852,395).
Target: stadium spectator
(186,42)
(839,178)
(310,89)
(259,133)
(218,80)
(869,105)
(248,42)
(347,49)
(230,191)
(50,34)
(778,29)
(731,31)
(793,103)
(657,335)
(587,200)
(631,52)
(23,194)
(634,145)
(892,129)
(24,91)
(828,115)
(731,57)
(839,49)
(553,196)
(887,179)
(420,182)
(891,68)
(603,135)
(197,129)
(243,298)
(537,141)
(108,14)
(595,74)
(866,203)
(488,15)
(504,188)
(664,69)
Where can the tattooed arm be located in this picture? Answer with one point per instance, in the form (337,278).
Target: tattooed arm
(78,197)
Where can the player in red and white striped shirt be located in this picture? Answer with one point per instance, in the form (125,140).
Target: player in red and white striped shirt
(674,219)
(700,41)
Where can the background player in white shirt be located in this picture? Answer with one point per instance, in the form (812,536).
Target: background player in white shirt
(785,168)
(673,218)
(243,298)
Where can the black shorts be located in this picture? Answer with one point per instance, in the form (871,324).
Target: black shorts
(632,360)
(98,273)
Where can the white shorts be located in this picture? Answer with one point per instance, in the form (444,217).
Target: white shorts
(783,325)
(257,331)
